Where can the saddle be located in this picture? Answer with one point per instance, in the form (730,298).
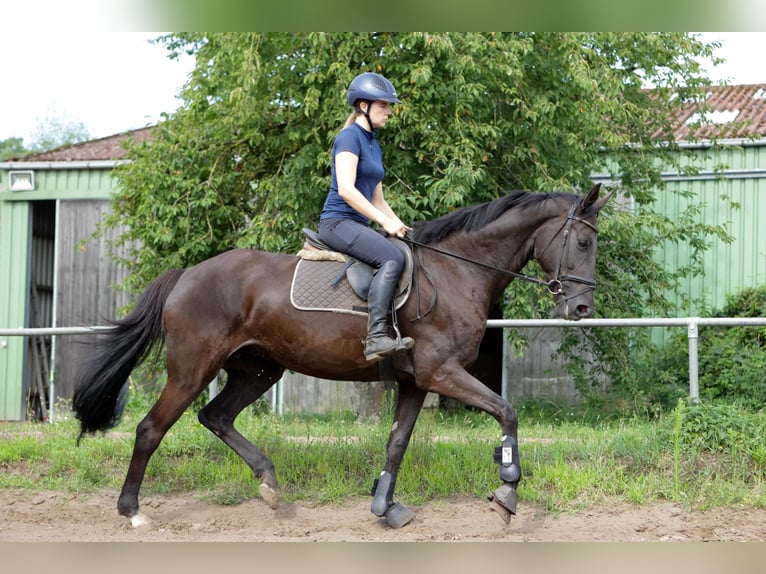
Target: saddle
(325,280)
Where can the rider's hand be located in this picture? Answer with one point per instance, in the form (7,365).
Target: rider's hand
(394,226)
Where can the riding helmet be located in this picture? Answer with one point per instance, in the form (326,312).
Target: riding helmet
(370,86)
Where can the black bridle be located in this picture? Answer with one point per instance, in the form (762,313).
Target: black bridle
(555,286)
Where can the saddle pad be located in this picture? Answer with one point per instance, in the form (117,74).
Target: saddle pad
(312,289)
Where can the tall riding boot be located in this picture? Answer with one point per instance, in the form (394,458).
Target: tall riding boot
(379,343)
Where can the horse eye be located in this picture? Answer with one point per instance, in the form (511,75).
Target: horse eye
(583,244)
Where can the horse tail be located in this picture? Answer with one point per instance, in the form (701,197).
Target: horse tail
(100,389)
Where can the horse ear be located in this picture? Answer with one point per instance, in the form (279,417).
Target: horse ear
(591,202)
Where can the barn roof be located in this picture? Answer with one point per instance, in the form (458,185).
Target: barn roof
(102,149)
(733,112)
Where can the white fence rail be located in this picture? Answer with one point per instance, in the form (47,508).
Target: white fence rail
(692,332)
(692,325)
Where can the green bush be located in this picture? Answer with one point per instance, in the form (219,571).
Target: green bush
(732,360)
(719,427)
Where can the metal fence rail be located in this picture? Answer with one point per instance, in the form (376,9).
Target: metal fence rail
(692,325)
(692,332)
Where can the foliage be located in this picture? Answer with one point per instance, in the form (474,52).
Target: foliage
(57,129)
(245,161)
(732,360)
(720,426)
(12,148)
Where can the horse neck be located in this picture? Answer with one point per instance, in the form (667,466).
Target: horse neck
(509,241)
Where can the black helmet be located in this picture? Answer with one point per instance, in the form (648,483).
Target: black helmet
(371,87)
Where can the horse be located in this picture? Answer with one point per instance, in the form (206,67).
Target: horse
(232,312)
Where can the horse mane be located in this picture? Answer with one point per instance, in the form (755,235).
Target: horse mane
(475,217)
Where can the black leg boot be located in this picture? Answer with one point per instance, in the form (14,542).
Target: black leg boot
(379,343)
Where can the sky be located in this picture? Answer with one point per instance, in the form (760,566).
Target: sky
(117,81)
(109,81)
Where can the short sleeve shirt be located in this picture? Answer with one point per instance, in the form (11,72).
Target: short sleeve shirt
(369,171)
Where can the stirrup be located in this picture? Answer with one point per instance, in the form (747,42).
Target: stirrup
(404,343)
(390,347)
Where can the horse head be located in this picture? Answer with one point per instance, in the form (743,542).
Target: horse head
(568,256)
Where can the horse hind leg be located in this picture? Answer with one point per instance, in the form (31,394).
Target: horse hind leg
(173,401)
(242,388)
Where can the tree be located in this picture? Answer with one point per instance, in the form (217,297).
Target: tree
(57,129)
(245,160)
(11,148)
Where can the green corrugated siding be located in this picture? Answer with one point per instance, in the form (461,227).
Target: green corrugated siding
(729,267)
(14,261)
(67,184)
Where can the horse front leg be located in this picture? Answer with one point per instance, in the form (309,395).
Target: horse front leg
(408,405)
(453,381)
(504,499)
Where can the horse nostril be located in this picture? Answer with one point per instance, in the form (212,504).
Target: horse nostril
(583,311)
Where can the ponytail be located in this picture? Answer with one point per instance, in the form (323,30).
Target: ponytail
(351,118)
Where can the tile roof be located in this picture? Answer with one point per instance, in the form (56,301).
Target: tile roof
(734,112)
(106,148)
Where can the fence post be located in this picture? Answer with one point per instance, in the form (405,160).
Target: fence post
(213,388)
(692,332)
(504,372)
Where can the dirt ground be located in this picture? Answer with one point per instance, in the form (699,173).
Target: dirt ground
(65,517)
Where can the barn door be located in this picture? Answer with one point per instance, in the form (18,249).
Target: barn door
(40,308)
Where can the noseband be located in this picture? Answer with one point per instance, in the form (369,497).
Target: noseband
(555,286)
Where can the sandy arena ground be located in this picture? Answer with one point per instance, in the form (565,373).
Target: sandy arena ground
(64,517)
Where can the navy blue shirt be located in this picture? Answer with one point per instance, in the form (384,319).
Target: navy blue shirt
(369,171)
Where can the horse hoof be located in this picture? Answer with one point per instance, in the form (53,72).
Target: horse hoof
(398,515)
(138,520)
(269,495)
(504,513)
(504,501)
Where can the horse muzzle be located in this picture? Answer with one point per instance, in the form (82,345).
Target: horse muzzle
(575,312)
(579,305)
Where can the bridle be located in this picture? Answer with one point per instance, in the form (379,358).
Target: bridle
(556,285)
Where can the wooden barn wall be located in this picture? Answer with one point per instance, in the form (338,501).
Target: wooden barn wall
(87,277)
(304,394)
(71,184)
(15,227)
(536,375)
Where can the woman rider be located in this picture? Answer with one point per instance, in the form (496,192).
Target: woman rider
(356,199)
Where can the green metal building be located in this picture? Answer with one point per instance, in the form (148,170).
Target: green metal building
(51,273)
(729,181)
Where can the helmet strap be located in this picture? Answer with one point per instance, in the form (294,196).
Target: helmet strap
(367,115)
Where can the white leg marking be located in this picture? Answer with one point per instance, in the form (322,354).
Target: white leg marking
(138,520)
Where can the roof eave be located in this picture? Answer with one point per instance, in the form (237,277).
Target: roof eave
(81,164)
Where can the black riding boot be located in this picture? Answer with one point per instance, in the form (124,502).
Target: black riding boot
(379,343)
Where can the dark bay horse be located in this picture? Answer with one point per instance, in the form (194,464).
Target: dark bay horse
(233,312)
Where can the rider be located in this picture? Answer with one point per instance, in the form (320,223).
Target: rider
(356,198)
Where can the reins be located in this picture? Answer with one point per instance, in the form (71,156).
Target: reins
(479,263)
(555,286)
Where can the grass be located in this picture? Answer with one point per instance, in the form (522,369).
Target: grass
(569,460)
